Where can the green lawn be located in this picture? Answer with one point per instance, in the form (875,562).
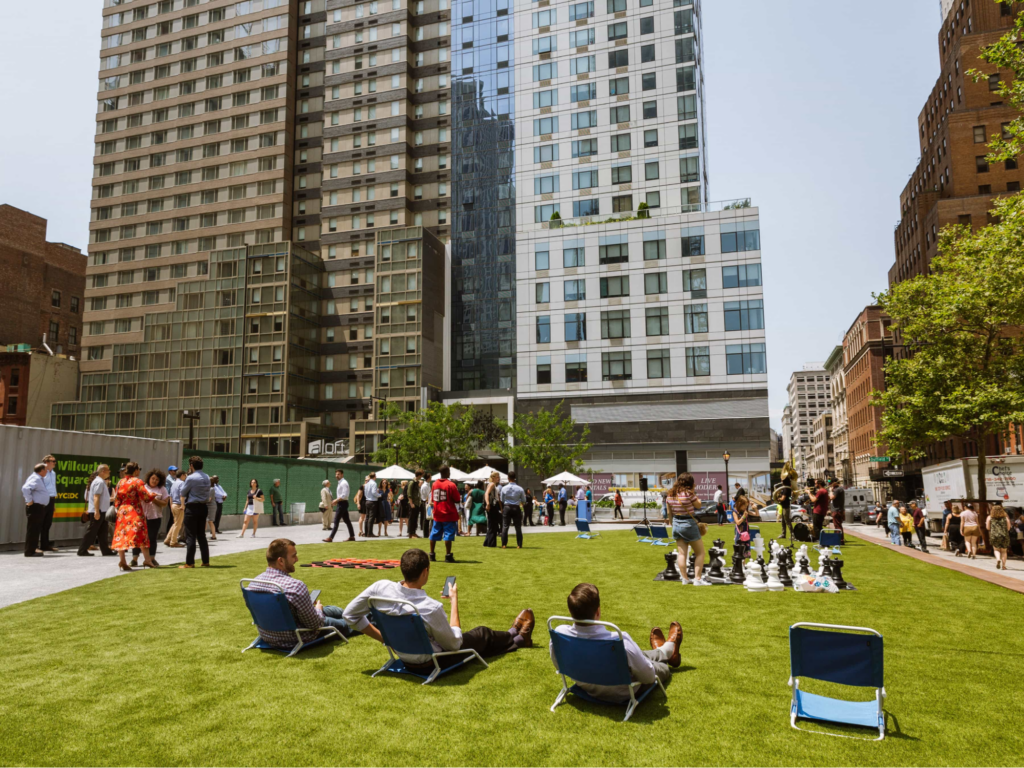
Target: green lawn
(146,670)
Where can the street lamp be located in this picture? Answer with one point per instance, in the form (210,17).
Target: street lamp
(726,456)
(193,417)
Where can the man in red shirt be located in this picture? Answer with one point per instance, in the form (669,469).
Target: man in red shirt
(820,499)
(445,495)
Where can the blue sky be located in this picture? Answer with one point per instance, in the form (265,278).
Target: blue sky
(812,112)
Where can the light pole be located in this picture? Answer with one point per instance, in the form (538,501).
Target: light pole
(726,457)
(193,417)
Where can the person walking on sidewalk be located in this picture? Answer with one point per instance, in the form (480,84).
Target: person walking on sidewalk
(563,504)
(98,499)
(893,516)
(528,509)
(372,495)
(177,511)
(907,527)
(618,505)
(971,530)
(340,505)
(154,512)
(276,504)
(446,498)
(252,509)
(920,526)
(720,506)
(326,507)
(999,534)
(219,495)
(512,497)
(549,506)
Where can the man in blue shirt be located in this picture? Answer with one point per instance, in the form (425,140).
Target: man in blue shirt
(563,504)
(45,543)
(36,498)
(195,496)
(512,497)
(372,495)
(894,523)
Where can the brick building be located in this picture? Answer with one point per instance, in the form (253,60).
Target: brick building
(953,183)
(43,285)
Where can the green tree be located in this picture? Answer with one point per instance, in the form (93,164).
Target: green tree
(548,442)
(427,439)
(962,325)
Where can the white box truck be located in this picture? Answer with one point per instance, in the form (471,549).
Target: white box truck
(1004,482)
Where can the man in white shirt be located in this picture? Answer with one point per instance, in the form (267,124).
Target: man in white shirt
(720,505)
(372,495)
(645,666)
(425,500)
(445,634)
(341,507)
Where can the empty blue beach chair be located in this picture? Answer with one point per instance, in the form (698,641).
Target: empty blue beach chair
(832,653)
(643,534)
(270,611)
(406,633)
(597,662)
(584,532)
(661,536)
(829,537)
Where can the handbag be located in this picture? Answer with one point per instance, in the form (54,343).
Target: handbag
(86,517)
(945,542)
(744,536)
(111,514)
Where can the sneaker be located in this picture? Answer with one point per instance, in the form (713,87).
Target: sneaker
(701,582)
(449,558)
(433,557)
(683,580)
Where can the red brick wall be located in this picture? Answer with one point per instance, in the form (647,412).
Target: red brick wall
(30,270)
(8,362)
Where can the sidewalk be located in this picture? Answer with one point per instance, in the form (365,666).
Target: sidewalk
(984,567)
(26,578)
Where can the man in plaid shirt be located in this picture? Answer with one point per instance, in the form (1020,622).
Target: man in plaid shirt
(281,560)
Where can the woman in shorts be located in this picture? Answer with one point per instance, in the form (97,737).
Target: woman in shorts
(683,504)
(250,508)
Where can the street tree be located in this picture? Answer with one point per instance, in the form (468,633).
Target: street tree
(547,442)
(962,327)
(428,438)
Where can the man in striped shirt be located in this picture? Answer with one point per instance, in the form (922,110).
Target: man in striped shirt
(281,560)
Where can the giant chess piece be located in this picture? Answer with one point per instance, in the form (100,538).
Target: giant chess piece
(753,582)
(671,573)
(762,570)
(714,573)
(826,568)
(801,553)
(736,574)
(774,583)
(785,562)
(691,564)
(805,563)
(837,574)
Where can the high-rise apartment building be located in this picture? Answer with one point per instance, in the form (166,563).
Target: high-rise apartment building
(840,428)
(953,183)
(823,448)
(809,396)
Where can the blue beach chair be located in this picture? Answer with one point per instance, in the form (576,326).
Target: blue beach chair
(830,652)
(270,611)
(643,534)
(595,661)
(660,535)
(406,633)
(584,532)
(830,538)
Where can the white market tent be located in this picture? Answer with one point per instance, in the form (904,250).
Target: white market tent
(456,475)
(484,473)
(395,472)
(566,478)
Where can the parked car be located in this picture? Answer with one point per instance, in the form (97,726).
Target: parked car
(770,514)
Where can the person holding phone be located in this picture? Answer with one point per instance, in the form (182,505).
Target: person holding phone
(445,634)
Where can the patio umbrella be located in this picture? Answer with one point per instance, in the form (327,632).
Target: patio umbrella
(566,478)
(484,473)
(395,472)
(455,475)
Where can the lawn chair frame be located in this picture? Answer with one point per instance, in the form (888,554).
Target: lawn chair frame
(660,533)
(583,529)
(641,536)
(275,589)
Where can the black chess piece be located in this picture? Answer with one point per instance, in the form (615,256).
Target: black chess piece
(671,573)
(784,563)
(837,574)
(805,566)
(764,571)
(736,575)
(826,567)
(715,573)
(691,564)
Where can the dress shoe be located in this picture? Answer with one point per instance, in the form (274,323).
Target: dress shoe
(33,554)
(85,554)
(657,638)
(327,541)
(134,563)
(524,624)
(675,635)
(351,538)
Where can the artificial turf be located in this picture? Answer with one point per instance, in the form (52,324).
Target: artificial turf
(147,670)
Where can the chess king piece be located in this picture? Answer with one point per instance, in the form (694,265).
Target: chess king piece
(785,563)
(753,582)
(736,575)
(691,563)
(774,583)
(671,573)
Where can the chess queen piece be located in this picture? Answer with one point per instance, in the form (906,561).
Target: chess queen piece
(753,582)
(774,583)
(736,575)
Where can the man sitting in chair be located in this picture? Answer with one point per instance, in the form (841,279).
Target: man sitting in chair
(281,560)
(444,635)
(645,666)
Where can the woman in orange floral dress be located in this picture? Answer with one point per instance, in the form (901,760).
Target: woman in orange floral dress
(131,519)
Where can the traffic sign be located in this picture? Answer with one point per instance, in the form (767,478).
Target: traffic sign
(892,473)
(878,458)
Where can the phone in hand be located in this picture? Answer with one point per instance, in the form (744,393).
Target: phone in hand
(447,586)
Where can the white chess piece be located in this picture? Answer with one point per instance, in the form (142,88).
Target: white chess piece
(753,581)
(822,554)
(776,548)
(801,554)
(758,545)
(774,585)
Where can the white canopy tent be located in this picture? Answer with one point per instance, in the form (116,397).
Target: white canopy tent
(456,475)
(566,478)
(484,473)
(395,472)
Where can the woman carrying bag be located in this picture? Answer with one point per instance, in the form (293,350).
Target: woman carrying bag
(682,502)
(742,542)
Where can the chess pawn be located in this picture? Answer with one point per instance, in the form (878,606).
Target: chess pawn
(826,568)
(691,563)
(805,563)
(753,581)
(774,583)
(736,575)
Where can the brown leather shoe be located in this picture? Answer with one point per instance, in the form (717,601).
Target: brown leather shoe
(524,624)
(675,635)
(657,638)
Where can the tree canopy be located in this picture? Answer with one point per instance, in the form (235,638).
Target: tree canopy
(547,442)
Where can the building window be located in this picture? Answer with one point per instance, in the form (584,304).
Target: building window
(614,286)
(573,257)
(54,331)
(655,283)
(745,359)
(993,82)
(656,321)
(646,53)
(619,115)
(617,253)
(979,134)
(693,245)
(654,250)
(659,364)
(745,275)
(576,326)
(650,109)
(543,293)
(744,315)
(616,366)
(55,299)
(695,317)
(544,329)
(698,361)
(575,290)
(615,324)
(618,59)
(543,373)
(647,25)
(621,174)
(575,372)
(981,164)
(735,240)
(541,260)
(585,208)
(621,142)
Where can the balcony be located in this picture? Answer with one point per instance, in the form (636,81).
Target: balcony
(646,214)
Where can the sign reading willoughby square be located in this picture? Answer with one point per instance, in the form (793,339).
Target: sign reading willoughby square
(72,474)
